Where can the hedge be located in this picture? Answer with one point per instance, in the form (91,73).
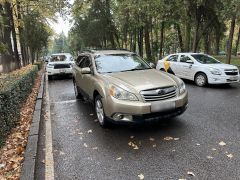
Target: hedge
(14,90)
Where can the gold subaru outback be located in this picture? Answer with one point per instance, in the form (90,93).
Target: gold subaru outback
(125,88)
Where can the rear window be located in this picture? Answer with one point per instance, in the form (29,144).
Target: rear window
(58,58)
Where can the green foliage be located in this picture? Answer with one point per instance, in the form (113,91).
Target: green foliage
(3,48)
(39,64)
(14,90)
(60,44)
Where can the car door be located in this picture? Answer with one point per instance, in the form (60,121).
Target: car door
(87,80)
(170,64)
(186,65)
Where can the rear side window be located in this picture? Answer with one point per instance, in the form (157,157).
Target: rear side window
(184,58)
(172,58)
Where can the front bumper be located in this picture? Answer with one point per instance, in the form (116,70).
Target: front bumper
(62,71)
(132,111)
(223,79)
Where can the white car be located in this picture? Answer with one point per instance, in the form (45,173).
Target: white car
(59,64)
(198,67)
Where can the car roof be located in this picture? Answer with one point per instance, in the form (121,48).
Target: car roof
(107,52)
(60,54)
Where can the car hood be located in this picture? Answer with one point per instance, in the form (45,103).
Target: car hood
(222,66)
(142,79)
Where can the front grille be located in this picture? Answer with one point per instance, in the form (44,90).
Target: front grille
(159,94)
(61,66)
(231,72)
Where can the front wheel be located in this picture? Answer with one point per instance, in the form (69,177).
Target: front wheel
(201,79)
(100,112)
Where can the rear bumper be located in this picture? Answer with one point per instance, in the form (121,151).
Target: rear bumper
(63,71)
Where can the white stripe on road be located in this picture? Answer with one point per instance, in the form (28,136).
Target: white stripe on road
(49,162)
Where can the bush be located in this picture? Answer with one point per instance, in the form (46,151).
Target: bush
(39,64)
(14,90)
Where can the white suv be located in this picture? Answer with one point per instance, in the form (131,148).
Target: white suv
(59,64)
(200,68)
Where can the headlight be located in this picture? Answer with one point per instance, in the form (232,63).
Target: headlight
(215,71)
(121,94)
(182,87)
(50,65)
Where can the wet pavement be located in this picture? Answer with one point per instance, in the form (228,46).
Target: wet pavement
(186,147)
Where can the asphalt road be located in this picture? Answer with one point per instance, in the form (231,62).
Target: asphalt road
(83,150)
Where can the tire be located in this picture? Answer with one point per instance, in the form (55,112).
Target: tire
(49,77)
(99,109)
(201,79)
(77,94)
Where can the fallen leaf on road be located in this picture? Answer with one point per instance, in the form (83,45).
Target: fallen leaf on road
(91,114)
(173,150)
(168,138)
(190,173)
(95,120)
(43,161)
(176,139)
(95,148)
(2,166)
(89,131)
(181,179)
(85,145)
(222,143)
(135,147)
(209,157)
(61,153)
(81,138)
(118,158)
(141,176)
(131,137)
(80,133)
(230,156)
(154,145)
(151,139)
(198,144)
(213,149)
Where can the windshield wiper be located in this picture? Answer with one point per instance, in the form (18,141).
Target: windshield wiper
(134,70)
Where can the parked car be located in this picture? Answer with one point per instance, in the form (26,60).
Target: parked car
(198,67)
(124,88)
(59,64)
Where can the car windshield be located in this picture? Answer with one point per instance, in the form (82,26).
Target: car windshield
(205,59)
(119,63)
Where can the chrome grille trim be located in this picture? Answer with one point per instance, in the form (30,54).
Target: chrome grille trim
(154,95)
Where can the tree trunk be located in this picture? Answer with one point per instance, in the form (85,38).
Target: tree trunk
(161,40)
(230,40)
(10,15)
(237,42)
(218,36)
(140,41)
(6,30)
(187,36)
(147,42)
(206,44)
(179,37)
(196,38)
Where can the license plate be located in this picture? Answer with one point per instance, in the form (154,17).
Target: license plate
(162,106)
(234,78)
(62,71)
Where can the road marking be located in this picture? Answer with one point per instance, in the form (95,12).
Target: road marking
(49,162)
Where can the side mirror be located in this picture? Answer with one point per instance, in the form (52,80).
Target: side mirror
(189,62)
(86,70)
(152,65)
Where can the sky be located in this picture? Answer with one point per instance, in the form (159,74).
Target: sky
(61,25)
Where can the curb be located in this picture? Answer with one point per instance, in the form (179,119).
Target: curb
(28,168)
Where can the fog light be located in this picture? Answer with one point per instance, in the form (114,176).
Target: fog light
(122,117)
